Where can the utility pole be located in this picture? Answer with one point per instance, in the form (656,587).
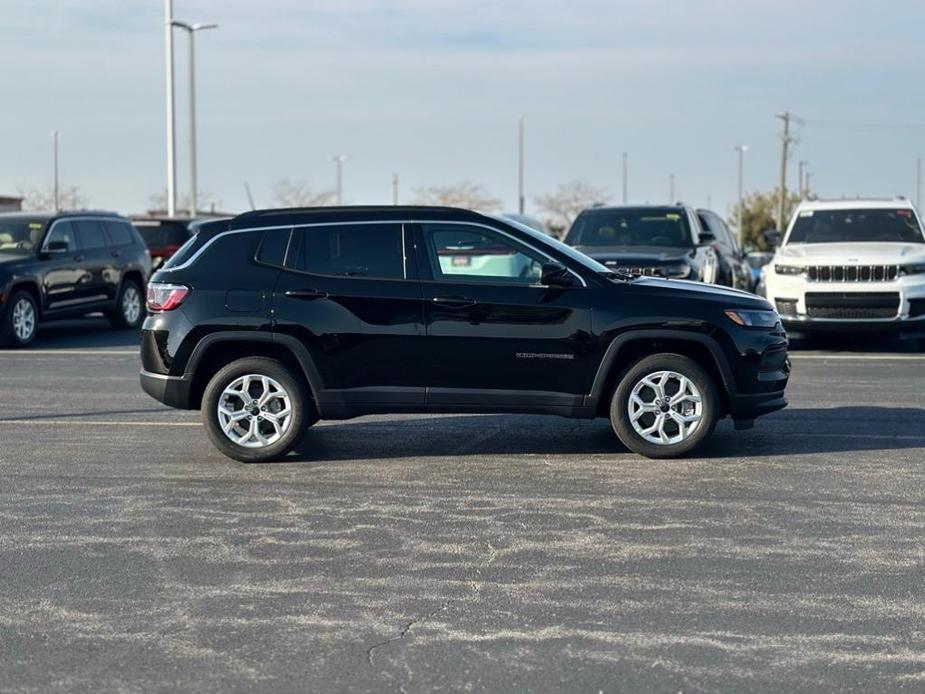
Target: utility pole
(520,165)
(57,189)
(785,141)
(741,149)
(394,188)
(339,177)
(191,30)
(918,183)
(625,169)
(171,111)
(671,199)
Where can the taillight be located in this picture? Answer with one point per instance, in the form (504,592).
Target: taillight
(165,297)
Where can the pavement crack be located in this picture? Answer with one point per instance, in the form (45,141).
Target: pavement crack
(405,629)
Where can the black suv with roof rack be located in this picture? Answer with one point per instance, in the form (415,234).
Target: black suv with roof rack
(69,264)
(274,319)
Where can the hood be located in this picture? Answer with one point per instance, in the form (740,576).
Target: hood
(851,253)
(637,255)
(11,258)
(736,297)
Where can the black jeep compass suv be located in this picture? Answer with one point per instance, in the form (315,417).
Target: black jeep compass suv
(68,264)
(274,319)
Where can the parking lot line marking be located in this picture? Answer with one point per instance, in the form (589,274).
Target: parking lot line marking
(108,423)
(869,357)
(72,352)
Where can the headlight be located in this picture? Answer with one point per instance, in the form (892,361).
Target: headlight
(753,319)
(678,271)
(789,270)
(918,269)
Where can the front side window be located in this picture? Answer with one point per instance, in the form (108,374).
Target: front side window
(90,233)
(62,233)
(632,226)
(18,235)
(856,226)
(464,252)
(349,250)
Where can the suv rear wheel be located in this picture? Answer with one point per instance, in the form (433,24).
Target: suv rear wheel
(256,410)
(21,321)
(130,306)
(664,406)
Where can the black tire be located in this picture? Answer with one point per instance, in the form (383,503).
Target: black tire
(620,406)
(11,334)
(122,317)
(303,410)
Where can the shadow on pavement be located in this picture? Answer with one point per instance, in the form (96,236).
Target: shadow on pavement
(797,431)
(84,333)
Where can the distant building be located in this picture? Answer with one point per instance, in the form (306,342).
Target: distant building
(10,203)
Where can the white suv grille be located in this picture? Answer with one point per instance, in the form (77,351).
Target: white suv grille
(852,273)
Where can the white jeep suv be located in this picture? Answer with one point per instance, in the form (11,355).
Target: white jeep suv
(851,264)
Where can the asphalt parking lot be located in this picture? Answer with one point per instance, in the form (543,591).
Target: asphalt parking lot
(482,553)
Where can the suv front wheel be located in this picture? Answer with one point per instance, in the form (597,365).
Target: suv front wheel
(256,410)
(665,406)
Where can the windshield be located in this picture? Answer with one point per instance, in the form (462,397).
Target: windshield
(631,226)
(21,235)
(555,243)
(856,226)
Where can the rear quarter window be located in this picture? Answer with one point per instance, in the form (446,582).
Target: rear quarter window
(272,250)
(120,233)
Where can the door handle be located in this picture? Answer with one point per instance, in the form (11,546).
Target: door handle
(116,254)
(79,257)
(453,302)
(306,294)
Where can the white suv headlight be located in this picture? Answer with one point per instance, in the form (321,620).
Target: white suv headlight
(789,270)
(917,269)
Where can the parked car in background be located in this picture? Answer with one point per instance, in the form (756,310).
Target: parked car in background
(732,269)
(850,265)
(64,265)
(279,318)
(756,262)
(165,235)
(654,240)
(527,220)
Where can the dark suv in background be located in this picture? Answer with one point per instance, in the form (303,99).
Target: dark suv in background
(732,267)
(67,265)
(653,240)
(277,318)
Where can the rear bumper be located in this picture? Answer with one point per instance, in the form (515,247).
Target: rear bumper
(170,390)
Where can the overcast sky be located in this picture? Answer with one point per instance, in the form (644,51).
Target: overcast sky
(432,89)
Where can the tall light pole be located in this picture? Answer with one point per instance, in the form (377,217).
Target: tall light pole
(171,111)
(741,149)
(625,173)
(339,177)
(785,142)
(57,189)
(918,183)
(671,188)
(394,188)
(191,30)
(801,167)
(520,165)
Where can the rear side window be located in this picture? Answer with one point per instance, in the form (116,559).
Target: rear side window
(272,250)
(120,233)
(350,250)
(90,234)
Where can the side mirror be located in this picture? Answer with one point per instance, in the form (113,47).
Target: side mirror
(706,238)
(556,275)
(773,237)
(57,247)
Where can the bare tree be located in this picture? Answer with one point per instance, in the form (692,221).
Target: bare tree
(562,205)
(69,198)
(465,194)
(289,193)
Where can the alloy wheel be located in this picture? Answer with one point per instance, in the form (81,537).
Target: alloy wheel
(131,304)
(254,411)
(23,320)
(665,407)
